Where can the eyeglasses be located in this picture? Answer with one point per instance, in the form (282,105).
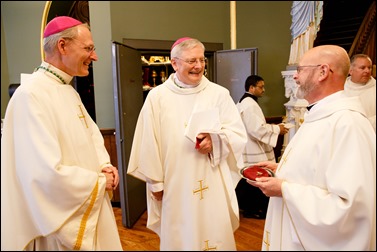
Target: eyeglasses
(261,87)
(299,68)
(88,49)
(193,61)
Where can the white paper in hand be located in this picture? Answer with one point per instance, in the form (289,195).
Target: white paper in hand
(288,125)
(206,121)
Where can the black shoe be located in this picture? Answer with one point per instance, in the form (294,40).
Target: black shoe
(255,215)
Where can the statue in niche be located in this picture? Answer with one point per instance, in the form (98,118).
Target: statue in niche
(306,18)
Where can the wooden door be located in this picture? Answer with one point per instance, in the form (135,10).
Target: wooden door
(233,67)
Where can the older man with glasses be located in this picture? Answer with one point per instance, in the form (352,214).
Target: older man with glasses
(324,194)
(56,176)
(188,146)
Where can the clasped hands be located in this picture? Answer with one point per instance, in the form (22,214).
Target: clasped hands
(112,177)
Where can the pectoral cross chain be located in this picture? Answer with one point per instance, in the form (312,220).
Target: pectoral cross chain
(82,116)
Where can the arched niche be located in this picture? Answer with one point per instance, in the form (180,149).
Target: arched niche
(80,11)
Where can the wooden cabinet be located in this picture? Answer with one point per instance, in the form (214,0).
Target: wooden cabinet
(155,70)
(110,144)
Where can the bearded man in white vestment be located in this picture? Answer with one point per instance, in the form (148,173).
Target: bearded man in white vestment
(324,194)
(361,83)
(56,176)
(188,146)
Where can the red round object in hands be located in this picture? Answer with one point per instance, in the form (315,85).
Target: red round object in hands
(254,171)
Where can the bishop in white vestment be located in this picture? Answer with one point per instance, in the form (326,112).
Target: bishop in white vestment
(52,190)
(199,208)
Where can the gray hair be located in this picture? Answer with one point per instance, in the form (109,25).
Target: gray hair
(358,56)
(176,52)
(49,43)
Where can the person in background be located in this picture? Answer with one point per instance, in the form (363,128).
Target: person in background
(261,139)
(188,146)
(361,83)
(324,194)
(56,176)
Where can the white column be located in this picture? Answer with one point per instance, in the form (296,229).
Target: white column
(294,108)
(233,27)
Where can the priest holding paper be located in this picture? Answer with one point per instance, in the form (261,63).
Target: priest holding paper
(194,137)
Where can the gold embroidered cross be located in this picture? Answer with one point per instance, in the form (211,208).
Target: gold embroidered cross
(201,189)
(207,248)
(82,116)
(267,241)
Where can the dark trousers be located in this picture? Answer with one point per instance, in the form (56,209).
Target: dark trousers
(250,198)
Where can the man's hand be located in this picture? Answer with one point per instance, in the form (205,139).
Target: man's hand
(158,195)
(270,186)
(204,143)
(268,164)
(112,177)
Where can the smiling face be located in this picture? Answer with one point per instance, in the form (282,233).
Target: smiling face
(189,65)
(80,52)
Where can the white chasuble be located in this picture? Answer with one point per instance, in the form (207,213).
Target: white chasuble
(52,189)
(329,192)
(199,208)
(367,96)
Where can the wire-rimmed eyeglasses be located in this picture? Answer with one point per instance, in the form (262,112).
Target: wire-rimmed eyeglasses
(299,68)
(88,49)
(193,61)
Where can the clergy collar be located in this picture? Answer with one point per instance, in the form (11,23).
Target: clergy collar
(63,77)
(247,94)
(180,84)
(310,106)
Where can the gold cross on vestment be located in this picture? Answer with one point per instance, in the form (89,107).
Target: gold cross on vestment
(267,241)
(82,116)
(207,248)
(201,189)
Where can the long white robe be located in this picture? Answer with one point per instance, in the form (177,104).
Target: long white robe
(52,189)
(161,155)
(329,193)
(262,137)
(367,95)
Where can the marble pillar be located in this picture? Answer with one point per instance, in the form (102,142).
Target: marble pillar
(294,108)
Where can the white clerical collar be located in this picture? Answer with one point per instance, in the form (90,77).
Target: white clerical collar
(63,77)
(181,84)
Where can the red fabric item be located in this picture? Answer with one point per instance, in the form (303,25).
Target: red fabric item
(198,141)
(254,172)
(180,41)
(59,24)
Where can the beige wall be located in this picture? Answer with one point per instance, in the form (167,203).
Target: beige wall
(261,24)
